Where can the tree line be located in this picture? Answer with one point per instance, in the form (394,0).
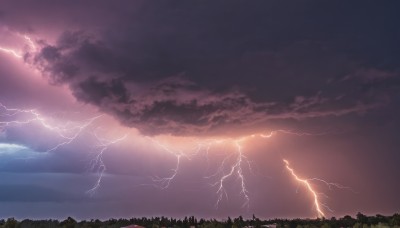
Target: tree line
(360,221)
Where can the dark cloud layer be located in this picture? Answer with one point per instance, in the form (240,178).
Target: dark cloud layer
(192,68)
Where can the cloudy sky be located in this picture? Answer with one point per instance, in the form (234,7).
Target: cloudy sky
(176,108)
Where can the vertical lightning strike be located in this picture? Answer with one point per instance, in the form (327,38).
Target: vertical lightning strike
(205,146)
(164,182)
(236,169)
(306,183)
(233,165)
(97,163)
(239,171)
(68,132)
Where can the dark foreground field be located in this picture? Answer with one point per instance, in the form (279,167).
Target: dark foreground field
(347,221)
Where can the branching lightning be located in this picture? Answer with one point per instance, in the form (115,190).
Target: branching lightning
(235,169)
(233,165)
(67,132)
(307,183)
(164,182)
(97,164)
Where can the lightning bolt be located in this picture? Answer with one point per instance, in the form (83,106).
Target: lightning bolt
(234,164)
(68,132)
(235,169)
(11,52)
(30,42)
(18,53)
(311,190)
(77,130)
(164,182)
(97,163)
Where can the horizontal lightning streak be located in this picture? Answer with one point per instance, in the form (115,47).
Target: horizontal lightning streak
(11,51)
(66,132)
(17,53)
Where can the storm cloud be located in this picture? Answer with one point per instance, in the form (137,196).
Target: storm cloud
(115,96)
(181,68)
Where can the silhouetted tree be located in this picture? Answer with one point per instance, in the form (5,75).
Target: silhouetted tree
(361,221)
(361,218)
(68,223)
(11,223)
(347,221)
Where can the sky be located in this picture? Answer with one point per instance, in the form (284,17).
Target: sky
(205,108)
